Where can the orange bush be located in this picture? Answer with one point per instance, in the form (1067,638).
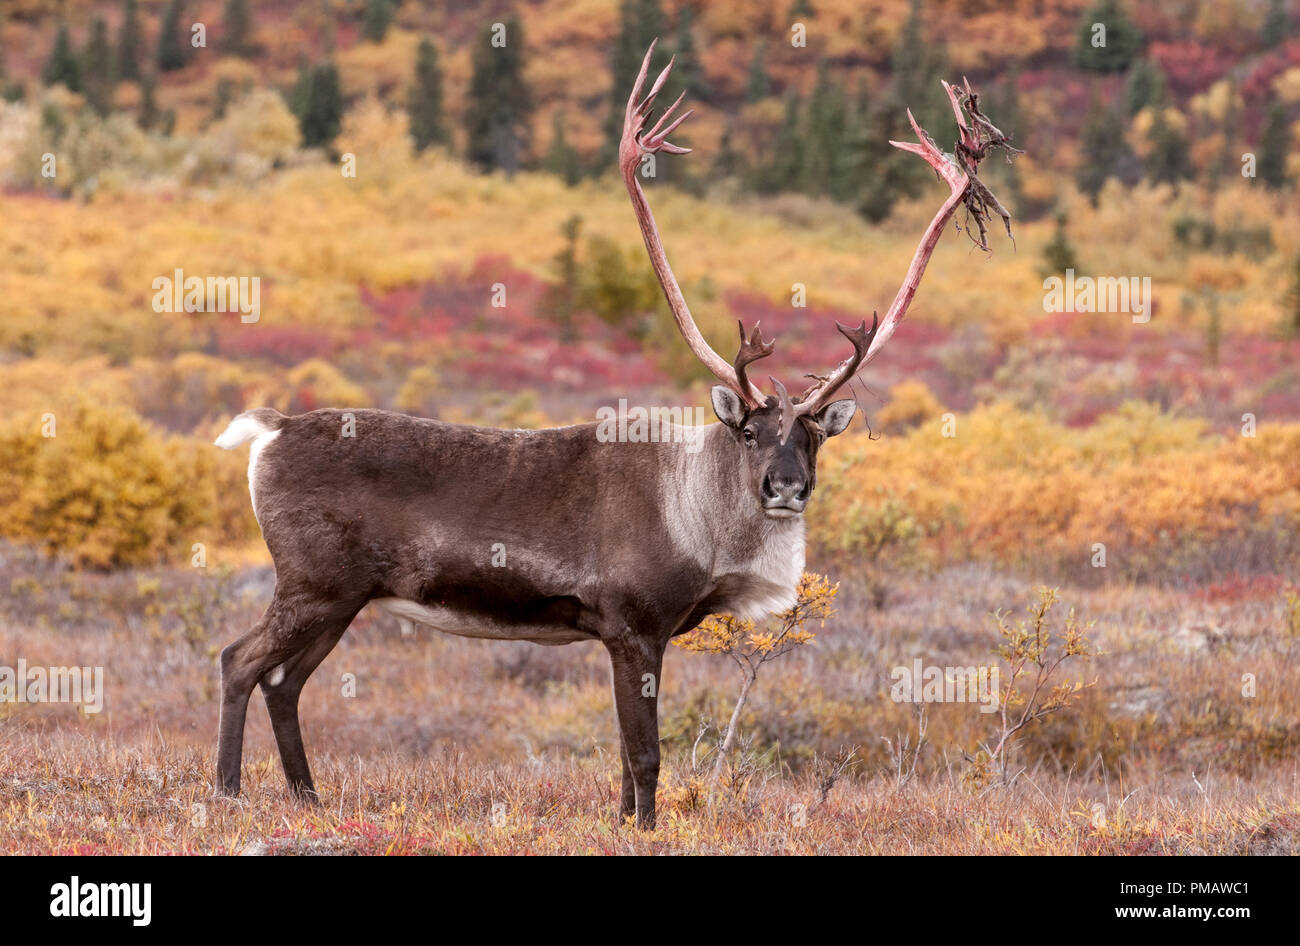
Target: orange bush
(99,485)
(1014,486)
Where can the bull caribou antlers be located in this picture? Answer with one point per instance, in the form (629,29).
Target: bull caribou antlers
(635,143)
(977,138)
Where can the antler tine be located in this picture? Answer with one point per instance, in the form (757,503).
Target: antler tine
(635,143)
(751,349)
(860,337)
(648,102)
(655,132)
(632,105)
(789,410)
(963,130)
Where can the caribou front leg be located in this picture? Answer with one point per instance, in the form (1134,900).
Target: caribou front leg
(627,788)
(637,661)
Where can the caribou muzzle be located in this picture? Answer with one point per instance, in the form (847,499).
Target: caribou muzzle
(785,496)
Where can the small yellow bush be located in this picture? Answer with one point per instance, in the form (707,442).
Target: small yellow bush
(99,485)
(910,403)
(316,383)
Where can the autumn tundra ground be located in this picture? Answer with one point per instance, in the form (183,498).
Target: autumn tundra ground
(431,744)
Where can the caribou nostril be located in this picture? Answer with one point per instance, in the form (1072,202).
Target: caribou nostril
(784,490)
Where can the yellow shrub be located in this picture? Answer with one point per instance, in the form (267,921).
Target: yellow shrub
(259,124)
(316,383)
(910,403)
(99,485)
(419,391)
(1014,486)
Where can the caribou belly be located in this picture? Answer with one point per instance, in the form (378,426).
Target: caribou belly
(464,623)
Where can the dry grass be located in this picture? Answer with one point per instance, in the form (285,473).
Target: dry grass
(79,792)
(462,746)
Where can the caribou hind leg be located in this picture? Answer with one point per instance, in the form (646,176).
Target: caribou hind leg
(283,648)
(281,689)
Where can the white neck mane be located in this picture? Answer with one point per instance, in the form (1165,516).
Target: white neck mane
(713,519)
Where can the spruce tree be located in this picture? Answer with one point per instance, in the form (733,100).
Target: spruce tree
(758,86)
(878,176)
(497,117)
(173,39)
(301,90)
(784,169)
(1292,300)
(1059,253)
(640,22)
(728,162)
(318,104)
(560,299)
(98,75)
(918,65)
(561,158)
(822,173)
(1101,145)
(1167,162)
(225,94)
(237,30)
(687,73)
(62,66)
(1274,146)
(650,24)
(128,43)
(376,19)
(149,116)
(1276,25)
(424,102)
(1144,86)
(9,91)
(1123,40)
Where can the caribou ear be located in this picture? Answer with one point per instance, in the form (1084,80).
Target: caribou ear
(728,406)
(834,417)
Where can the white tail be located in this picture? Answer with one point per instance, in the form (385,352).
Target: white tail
(242,429)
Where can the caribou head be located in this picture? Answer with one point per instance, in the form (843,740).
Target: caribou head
(777,441)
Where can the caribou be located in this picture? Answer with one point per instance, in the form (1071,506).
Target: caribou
(555,536)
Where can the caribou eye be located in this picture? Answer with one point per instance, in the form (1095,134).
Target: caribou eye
(751,438)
